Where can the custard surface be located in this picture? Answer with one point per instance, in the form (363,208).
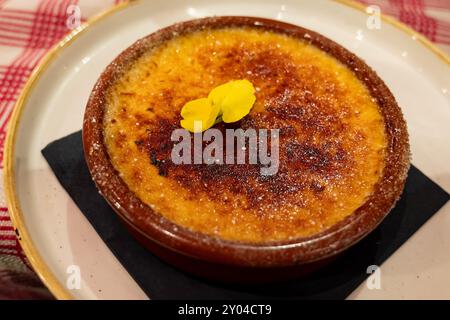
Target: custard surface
(332,135)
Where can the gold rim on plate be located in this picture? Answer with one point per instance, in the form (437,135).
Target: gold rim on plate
(45,274)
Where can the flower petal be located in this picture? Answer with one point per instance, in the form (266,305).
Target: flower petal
(238,101)
(199,115)
(219,93)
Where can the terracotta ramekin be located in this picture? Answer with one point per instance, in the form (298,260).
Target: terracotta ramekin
(222,260)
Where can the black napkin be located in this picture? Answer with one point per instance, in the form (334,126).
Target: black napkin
(421,199)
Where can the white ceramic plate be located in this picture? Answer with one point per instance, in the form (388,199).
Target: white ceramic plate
(56,235)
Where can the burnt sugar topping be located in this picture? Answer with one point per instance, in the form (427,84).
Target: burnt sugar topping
(342,140)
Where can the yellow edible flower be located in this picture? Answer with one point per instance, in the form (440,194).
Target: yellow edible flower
(228,102)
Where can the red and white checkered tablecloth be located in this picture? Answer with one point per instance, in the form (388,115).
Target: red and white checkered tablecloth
(28,28)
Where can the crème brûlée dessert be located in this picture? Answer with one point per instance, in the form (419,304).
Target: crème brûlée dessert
(343,144)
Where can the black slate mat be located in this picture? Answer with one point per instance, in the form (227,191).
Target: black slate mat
(421,199)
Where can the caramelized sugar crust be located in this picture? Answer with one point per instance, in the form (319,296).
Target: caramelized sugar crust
(333,139)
